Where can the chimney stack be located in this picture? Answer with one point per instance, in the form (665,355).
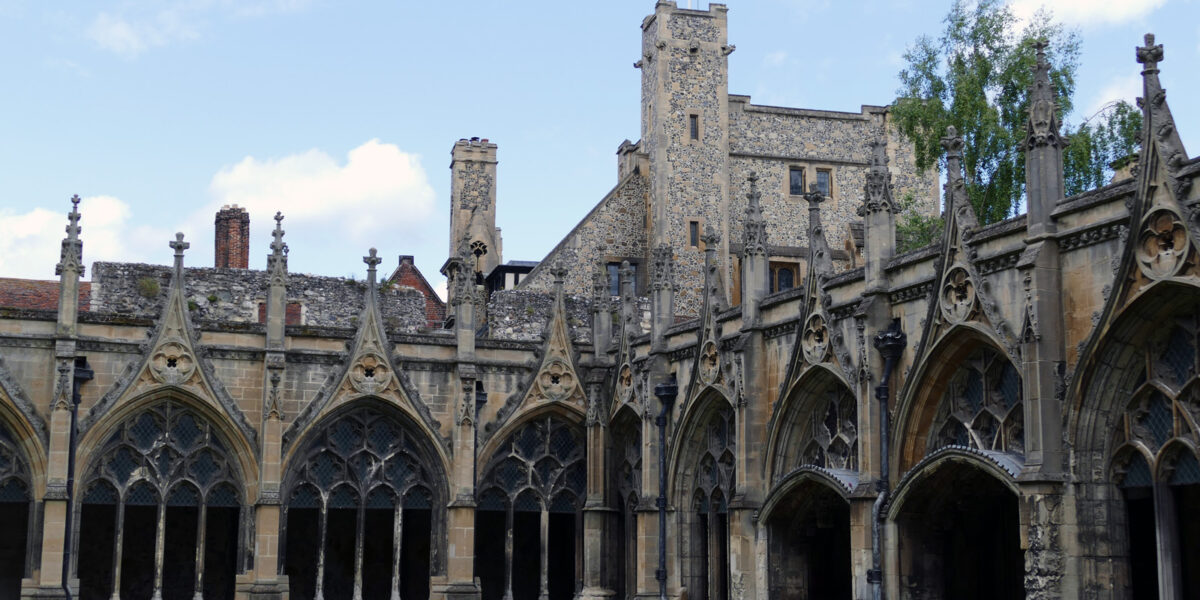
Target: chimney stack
(233,238)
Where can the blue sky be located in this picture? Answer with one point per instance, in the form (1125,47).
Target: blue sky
(342,114)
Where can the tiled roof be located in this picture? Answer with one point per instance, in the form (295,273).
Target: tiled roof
(34,294)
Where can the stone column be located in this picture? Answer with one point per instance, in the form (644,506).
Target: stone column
(596,512)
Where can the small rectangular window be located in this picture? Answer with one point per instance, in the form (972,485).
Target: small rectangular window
(824,179)
(694,126)
(614,279)
(694,233)
(796,181)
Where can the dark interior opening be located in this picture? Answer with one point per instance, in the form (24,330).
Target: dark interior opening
(489,553)
(721,568)
(14,522)
(341,526)
(414,557)
(301,561)
(380,528)
(625,549)
(179,552)
(561,556)
(1143,551)
(137,552)
(809,546)
(961,532)
(97,523)
(220,551)
(702,556)
(1187,507)
(527,548)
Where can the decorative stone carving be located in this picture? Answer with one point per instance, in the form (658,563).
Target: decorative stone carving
(815,339)
(662,263)
(1163,244)
(710,364)
(370,374)
(754,239)
(958,295)
(71,257)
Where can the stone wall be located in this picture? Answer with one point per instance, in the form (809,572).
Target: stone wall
(617,223)
(524,315)
(234,295)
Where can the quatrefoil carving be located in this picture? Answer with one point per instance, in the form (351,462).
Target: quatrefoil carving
(958,295)
(1163,244)
(710,365)
(815,340)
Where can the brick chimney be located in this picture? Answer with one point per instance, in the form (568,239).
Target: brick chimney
(233,238)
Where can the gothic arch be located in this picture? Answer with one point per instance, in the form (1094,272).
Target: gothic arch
(925,389)
(567,412)
(20,486)
(365,466)
(802,477)
(28,443)
(241,450)
(956,518)
(701,481)
(806,523)
(819,410)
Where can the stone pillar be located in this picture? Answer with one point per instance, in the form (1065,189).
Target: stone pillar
(596,512)
(756,274)
(662,295)
(473,202)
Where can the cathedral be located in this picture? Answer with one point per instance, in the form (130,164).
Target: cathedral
(725,383)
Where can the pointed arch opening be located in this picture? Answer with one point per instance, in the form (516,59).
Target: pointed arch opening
(817,426)
(958,530)
(702,481)
(162,511)
(808,539)
(1135,431)
(365,468)
(538,477)
(16,514)
(625,486)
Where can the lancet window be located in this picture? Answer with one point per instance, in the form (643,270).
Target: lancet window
(833,442)
(1155,465)
(531,494)
(163,489)
(15,515)
(712,488)
(627,484)
(363,472)
(981,407)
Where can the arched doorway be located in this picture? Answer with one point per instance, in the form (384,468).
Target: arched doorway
(704,485)
(15,507)
(364,506)
(532,491)
(958,533)
(808,543)
(161,510)
(808,526)
(626,486)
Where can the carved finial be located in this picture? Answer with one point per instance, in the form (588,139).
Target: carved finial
(277,246)
(754,236)
(878,186)
(559,273)
(601,286)
(626,274)
(952,143)
(372,259)
(711,238)
(277,259)
(1042,127)
(814,196)
(71,257)
(662,272)
(179,246)
(1150,55)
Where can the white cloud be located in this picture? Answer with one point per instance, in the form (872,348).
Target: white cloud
(440,288)
(1123,87)
(134,29)
(1086,12)
(30,242)
(378,195)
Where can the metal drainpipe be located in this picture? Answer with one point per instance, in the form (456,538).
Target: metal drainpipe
(665,392)
(83,373)
(890,345)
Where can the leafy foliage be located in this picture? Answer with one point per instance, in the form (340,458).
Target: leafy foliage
(976,77)
(1098,148)
(915,229)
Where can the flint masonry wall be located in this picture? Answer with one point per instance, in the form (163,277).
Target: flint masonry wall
(234,295)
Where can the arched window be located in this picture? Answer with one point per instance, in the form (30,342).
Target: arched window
(710,491)
(1156,468)
(981,407)
(538,477)
(15,507)
(626,478)
(833,437)
(163,489)
(365,471)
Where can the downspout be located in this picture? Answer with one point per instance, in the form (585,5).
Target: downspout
(890,345)
(666,393)
(83,373)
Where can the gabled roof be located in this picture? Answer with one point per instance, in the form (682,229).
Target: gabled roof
(37,294)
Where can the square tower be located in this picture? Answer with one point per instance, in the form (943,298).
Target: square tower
(473,202)
(685,129)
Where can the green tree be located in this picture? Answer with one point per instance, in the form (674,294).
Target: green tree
(1107,140)
(976,77)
